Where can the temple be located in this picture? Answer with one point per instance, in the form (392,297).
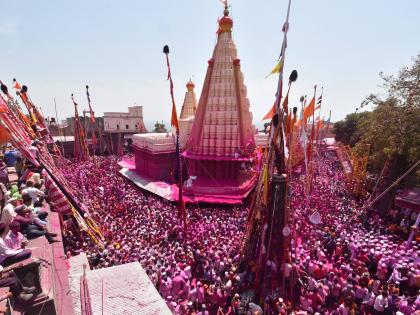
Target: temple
(216,136)
(222,136)
(186,118)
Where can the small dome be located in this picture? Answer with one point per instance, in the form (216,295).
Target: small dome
(226,22)
(190,85)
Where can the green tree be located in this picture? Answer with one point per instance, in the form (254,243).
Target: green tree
(392,128)
(160,127)
(349,131)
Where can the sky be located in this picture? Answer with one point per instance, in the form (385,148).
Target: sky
(57,47)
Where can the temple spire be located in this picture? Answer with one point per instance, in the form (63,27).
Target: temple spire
(190,102)
(223,123)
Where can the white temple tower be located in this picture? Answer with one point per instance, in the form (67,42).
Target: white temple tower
(186,119)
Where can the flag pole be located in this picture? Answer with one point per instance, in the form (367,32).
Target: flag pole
(91,122)
(58,128)
(311,163)
(174,122)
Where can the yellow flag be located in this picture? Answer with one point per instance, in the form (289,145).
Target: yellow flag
(278,68)
(265,188)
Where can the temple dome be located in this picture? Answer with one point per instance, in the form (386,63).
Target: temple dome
(190,85)
(226,22)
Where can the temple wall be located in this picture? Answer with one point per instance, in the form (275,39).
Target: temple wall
(158,167)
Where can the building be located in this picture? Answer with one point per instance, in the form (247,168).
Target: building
(119,127)
(222,137)
(216,136)
(155,155)
(123,122)
(186,118)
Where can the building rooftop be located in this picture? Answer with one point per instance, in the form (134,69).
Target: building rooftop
(124,289)
(155,142)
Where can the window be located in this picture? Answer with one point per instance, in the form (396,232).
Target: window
(118,127)
(127,127)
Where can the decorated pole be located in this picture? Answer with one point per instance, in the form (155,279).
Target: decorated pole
(92,121)
(268,233)
(174,122)
(81,150)
(318,126)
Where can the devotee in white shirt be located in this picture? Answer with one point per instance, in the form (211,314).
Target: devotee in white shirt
(381,303)
(33,192)
(8,213)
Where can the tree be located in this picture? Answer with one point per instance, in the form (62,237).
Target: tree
(349,130)
(160,127)
(393,127)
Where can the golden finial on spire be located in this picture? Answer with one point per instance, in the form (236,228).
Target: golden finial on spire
(226,11)
(225,23)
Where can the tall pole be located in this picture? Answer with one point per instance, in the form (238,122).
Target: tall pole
(311,146)
(174,122)
(58,126)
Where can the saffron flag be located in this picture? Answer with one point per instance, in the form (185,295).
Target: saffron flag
(92,115)
(320,124)
(309,110)
(286,102)
(5,135)
(270,113)
(289,124)
(17,85)
(294,120)
(3,106)
(174,117)
(277,69)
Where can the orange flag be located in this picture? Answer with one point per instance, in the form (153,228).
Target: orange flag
(289,124)
(270,113)
(286,103)
(309,110)
(5,135)
(17,86)
(174,117)
(294,121)
(3,106)
(320,124)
